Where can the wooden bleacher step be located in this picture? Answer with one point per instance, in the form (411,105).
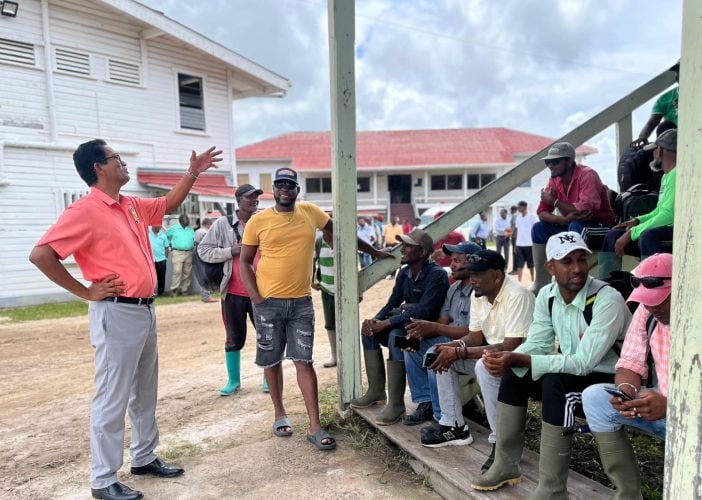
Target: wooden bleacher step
(451,468)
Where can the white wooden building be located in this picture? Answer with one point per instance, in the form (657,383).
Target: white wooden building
(74,70)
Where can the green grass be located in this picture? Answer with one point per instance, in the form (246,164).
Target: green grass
(67,309)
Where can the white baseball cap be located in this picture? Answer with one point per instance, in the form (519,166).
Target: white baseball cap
(561,244)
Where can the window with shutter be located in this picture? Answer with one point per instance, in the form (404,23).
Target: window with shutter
(123,72)
(191,99)
(17,52)
(69,61)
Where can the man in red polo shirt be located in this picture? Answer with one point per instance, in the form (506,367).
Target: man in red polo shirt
(108,235)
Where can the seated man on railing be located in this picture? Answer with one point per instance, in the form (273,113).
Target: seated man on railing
(586,317)
(419,292)
(646,234)
(646,346)
(665,108)
(580,197)
(501,310)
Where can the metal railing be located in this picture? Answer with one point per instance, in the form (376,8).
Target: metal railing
(618,114)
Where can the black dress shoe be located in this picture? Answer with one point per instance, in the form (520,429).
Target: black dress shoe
(116,491)
(158,468)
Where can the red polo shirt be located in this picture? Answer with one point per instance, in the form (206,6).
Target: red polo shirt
(585,192)
(109,237)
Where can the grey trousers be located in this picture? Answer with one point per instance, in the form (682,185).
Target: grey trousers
(450,393)
(126,377)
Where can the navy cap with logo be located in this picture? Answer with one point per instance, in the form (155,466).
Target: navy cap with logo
(285,174)
(466,247)
(484,260)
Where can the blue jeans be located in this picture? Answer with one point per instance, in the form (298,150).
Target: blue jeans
(601,417)
(542,231)
(649,242)
(284,325)
(364,259)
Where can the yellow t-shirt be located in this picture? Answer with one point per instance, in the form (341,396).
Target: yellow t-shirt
(390,232)
(285,242)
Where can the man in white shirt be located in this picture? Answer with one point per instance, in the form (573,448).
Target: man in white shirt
(480,231)
(367,233)
(522,240)
(503,233)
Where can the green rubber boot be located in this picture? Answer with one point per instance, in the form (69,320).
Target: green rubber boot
(375,372)
(395,408)
(608,262)
(511,421)
(620,464)
(234,371)
(554,461)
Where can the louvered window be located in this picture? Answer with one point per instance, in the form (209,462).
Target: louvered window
(17,52)
(192,102)
(65,197)
(123,72)
(69,61)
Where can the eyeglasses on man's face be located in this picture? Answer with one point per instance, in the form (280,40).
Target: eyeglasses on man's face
(648,281)
(115,156)
(284,185)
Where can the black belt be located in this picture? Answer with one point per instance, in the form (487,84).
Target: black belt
(187,250)
(131,300)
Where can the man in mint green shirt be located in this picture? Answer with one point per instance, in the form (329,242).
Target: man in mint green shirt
(564,353)
(645,234)
(182,239)
(159,249)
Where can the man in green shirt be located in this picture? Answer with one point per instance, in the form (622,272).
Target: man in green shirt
(644,235)
(182,239)
(584,356)
(665,108)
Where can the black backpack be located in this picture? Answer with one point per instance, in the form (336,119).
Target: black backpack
(210,275)
(634,168)
(635,201)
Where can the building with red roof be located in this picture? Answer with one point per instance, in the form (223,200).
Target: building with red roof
(422,168)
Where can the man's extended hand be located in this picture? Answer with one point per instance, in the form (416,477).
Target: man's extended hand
(548,197)
(381,254)
(446,356)
(421,329)
(108,287)
(201,162)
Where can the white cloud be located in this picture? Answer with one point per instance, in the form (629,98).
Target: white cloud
(540,67)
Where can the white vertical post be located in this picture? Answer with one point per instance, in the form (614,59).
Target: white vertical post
(624,134)
(343,140)
(683,450)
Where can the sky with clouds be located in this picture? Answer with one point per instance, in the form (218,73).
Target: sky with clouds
(536,66)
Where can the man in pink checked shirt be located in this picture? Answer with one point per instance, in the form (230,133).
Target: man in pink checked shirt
(649,330)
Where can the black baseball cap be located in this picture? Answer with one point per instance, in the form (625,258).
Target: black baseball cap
(484,260)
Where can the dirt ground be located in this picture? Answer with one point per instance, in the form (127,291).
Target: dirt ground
(224,443)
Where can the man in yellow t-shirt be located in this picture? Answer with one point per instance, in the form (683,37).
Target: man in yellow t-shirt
(284,236)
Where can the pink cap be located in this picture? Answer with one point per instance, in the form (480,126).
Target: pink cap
(659,265)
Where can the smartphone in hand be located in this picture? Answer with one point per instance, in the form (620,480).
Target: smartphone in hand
(429,359)
(405,343)
(618,393)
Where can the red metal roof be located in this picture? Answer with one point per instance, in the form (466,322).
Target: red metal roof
(403,148)
(206,184)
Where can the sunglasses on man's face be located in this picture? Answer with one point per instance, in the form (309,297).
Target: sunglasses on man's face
(648,281)
(284,185)
(550,163)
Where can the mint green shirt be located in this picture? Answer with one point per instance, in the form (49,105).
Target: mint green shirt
(584,349)
(181,238)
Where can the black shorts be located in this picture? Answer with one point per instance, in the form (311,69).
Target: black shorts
(524,255)
(329,311)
